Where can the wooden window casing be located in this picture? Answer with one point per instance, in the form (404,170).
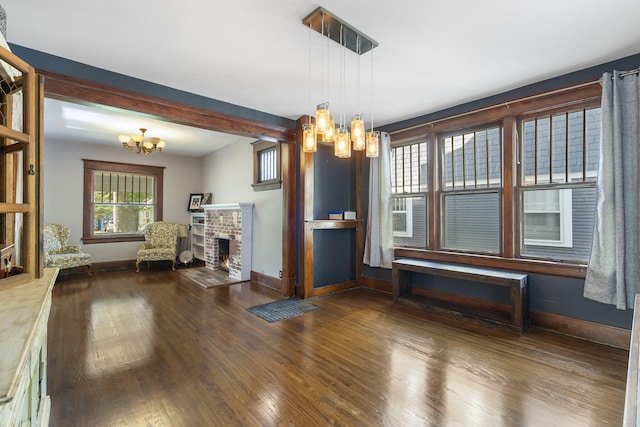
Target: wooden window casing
(507,115)
(267,170)
(93,166)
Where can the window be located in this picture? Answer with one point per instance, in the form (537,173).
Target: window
(548,218)
(558,174)
(509,186)
(471,181)
(409,187)
(266,166)
(402,217)
(119,200)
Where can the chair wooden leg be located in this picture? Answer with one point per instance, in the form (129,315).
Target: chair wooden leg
(137,266)
(173,265)
(89,270)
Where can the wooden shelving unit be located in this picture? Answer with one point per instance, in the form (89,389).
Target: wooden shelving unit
(20,145)
(328,224)
(197,236)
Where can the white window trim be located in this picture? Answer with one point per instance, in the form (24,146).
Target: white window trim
(566,223)
(408,232)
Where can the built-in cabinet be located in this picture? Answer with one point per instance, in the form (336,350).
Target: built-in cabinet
(332,249)
(23,352)
(25,287)
(197,236)
(21,163)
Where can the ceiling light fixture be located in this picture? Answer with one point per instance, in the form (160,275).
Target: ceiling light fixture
(332,27)
(137,144)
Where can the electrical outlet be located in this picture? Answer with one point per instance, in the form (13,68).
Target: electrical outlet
(280,274)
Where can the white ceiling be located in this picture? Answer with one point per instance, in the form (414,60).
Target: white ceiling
(254,53)
(77,123)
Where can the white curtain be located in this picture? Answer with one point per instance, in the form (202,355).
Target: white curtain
(612,276)
(378,248)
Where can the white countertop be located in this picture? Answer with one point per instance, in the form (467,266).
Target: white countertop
(21,308)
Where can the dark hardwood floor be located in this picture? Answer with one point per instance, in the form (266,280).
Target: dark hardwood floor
(154,349)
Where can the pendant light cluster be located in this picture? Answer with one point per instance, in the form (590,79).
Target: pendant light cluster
(326,129)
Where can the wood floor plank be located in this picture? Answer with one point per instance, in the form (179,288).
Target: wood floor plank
(156,350)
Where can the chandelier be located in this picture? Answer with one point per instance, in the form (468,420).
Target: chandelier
(326,128)
(137,144)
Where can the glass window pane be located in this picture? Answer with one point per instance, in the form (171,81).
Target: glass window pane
(123,203)
(542,201)
(529,152)
(542,226)
(409,168)
(482,160)
(471,222)
(543,148)
(557,145)
(111,219)
(576,146)
(446,148)
(468,152)
(494,137)
(560,228)
(457,172)
(472,160)
(559,148)
(409,221)
(592,136)
(268,165)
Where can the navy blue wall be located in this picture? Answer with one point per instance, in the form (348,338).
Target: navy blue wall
(334,251)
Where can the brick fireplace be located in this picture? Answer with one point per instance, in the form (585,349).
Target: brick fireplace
(232,221)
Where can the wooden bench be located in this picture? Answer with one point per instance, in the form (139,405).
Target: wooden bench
(517,282)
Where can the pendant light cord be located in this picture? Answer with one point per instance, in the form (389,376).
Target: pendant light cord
(322,57)
(371,70)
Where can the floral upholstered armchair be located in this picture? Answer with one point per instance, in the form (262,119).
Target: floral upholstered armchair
(160,239)
(57,253)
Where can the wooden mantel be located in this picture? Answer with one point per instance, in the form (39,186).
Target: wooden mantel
(219,206)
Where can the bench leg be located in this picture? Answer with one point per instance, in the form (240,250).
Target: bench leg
(401,283)
(519,305)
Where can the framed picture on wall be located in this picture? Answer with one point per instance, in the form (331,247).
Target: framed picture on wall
(195,200)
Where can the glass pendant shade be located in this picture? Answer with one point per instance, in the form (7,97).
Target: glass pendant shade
(343,144)
(373,143)
(322,117)
(309,139)
(330,134)
(358,132)
(124,139)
